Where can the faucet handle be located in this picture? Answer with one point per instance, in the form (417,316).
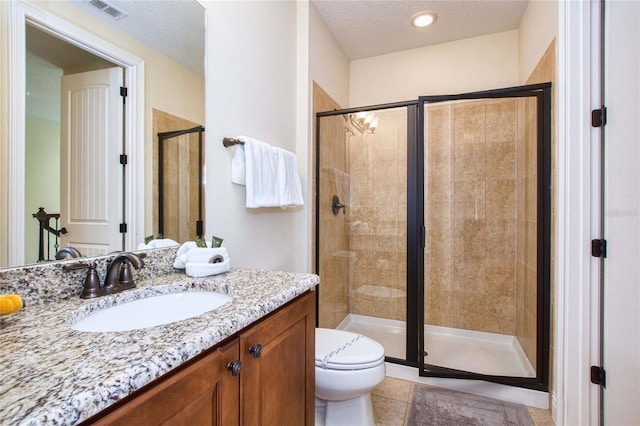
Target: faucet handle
(125,276)
(92,287)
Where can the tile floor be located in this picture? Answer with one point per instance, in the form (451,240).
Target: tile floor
(392,399)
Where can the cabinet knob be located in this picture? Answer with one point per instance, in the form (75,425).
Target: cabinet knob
(255,350)
(234,367)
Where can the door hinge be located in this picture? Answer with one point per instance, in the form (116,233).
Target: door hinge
(423,237)
(123,159)
(599,117)
(123,92)
(123,228)
(599,248)
(598,376)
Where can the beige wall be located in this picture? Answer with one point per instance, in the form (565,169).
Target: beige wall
(538,28)
(328,65)
(468,65)
(251,90)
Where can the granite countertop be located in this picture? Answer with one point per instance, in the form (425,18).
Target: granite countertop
(52,374)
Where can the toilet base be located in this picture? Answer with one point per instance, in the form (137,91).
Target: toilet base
(351,412)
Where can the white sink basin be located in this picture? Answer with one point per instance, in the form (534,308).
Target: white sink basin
(152,311)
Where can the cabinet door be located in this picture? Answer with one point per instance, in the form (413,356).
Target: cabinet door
(203,393)
(278,379)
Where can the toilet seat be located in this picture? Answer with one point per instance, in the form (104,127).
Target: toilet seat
(343,350)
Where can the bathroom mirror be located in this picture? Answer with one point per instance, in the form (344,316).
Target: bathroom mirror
(177,26)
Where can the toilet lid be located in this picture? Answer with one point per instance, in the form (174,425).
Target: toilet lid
(343,350)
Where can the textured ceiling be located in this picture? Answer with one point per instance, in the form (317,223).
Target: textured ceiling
(172,27)
(366,28)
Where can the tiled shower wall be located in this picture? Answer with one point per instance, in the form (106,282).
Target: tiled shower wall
(471,202)
(378,218)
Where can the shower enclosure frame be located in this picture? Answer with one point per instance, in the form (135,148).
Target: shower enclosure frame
(411,354)
(416,231)
(542,93)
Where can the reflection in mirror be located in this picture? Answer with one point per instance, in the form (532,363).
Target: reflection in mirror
(168,37)
(65,145)
(179,177)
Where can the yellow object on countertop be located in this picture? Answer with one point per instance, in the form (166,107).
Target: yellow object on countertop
(10,304)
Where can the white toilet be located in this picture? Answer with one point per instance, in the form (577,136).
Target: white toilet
(348,367)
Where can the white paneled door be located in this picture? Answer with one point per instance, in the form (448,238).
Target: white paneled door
(621,330)
(91,204)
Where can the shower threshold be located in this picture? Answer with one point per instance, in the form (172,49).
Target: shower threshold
(477,352)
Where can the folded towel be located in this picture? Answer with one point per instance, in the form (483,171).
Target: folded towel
(184,248)
(270,174)
(207,269)
(10,304)
(201,261)
(158,243)
(201,255)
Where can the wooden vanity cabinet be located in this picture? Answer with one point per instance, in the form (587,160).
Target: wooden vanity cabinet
(278,367)
(275,385)
(202,393)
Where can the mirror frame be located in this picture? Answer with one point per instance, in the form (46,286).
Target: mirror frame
(20,14)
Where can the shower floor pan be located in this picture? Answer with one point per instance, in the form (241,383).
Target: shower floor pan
(478,352)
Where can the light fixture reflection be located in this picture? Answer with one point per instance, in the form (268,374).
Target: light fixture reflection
(364,122)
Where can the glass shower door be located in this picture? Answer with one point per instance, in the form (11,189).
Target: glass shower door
(486,230)
(362,223)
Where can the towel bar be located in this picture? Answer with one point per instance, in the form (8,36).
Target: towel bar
(227,142)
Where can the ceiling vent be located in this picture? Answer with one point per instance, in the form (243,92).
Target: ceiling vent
(109,9)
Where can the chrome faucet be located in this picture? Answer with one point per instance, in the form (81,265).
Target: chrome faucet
(70,251)
(119,275)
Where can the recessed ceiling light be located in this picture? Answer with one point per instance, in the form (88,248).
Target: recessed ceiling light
(423,19)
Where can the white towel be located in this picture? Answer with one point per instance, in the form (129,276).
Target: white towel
(270,174)
(289,186)
(184,248)
(201,261)
(201,255)
(238,167)
(158,243)
(207,269)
